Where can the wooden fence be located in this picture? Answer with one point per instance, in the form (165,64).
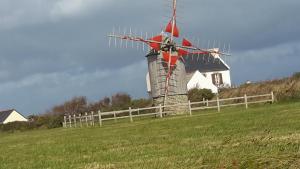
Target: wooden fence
(99,117)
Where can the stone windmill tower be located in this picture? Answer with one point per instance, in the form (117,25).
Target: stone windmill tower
(166,67)
(168,86)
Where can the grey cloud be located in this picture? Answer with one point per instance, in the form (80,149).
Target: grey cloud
(245,24)
(16,13)
(40,91)
(265,64)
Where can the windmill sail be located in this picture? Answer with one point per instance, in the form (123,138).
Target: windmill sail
(175,30)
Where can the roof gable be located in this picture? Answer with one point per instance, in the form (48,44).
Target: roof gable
(4,114)
(204,63)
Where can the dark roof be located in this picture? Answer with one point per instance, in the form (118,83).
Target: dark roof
(4,114)
(203,63)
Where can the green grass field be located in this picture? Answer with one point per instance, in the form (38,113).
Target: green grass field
(265,136)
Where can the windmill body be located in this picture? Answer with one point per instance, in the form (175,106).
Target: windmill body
(177,88)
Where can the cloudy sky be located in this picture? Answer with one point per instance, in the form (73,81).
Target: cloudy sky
(53,50)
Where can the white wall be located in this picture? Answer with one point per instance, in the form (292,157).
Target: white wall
(148,82)
(14,116)
(225,76)
(201,82)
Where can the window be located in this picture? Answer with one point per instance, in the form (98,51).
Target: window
(217,79)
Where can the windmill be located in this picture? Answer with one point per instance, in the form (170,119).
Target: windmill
(166,60)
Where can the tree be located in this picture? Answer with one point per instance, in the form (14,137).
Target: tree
(102,105)
(141,103)
(76,106)
(120,101)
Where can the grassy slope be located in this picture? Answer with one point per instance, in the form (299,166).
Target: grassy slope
(265,136)
(284,89)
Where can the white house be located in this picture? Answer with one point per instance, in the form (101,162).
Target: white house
(204,72)
(8,116)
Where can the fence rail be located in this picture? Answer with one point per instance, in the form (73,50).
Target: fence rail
(92,118)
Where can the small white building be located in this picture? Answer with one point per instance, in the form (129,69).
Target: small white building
(8,116)
(204,72)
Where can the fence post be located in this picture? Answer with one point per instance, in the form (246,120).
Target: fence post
(80,120)
(75,120)
(246,101)
(115,117)
(86,119)
(70,121)
(190,108)
(93,122)
(130,114)
(160,111)
(218,103)
(203,101)
(90,119)
(272,95)
(206,102)
(100,119)
(65,122)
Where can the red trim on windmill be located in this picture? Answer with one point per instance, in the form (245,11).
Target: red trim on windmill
(182,52)
(201,52)
(167,55)
(186,42)
(176,31)
(169,29)
(154,45)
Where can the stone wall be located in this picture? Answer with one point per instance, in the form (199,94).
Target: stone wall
(171,100)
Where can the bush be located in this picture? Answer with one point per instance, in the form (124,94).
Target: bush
(17,126)
(296,75)
(54,121)
(196,95)
(36,122)
(287,97)
(141,103)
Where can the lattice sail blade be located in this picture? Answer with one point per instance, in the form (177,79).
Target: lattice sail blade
(170,27)
(176,31)
(143,45)
(109,41)
(182,52)
(186,42)
(155,45)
